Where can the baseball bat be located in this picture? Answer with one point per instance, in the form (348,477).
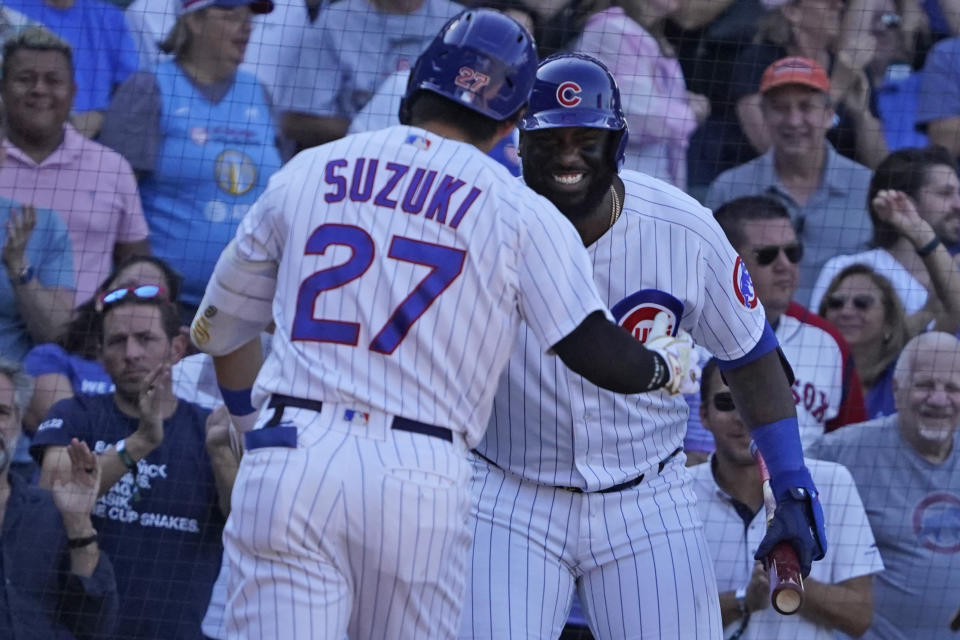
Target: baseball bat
(783,567)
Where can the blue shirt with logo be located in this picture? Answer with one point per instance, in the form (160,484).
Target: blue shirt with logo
(86,376)
(214,161)
(164,538)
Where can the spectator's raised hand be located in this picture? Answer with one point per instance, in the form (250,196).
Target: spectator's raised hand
(155,390)
(19,229)
(75,492)
(897,209)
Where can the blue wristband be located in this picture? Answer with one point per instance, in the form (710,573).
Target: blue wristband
(239,402)
(779,443)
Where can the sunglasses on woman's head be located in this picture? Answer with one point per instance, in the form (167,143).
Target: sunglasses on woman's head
(766,255)
(723,401)
(861,302)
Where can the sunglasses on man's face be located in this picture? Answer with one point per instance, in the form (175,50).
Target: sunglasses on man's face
(861,302)
(723,401)
(766,255)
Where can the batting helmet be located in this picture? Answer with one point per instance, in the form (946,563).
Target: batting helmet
(575,90)
(482,60)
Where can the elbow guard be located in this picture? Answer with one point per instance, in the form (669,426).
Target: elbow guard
(237,305)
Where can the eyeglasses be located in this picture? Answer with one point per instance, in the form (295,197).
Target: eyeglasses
(145,292)
(861,302)
(766,255)
(723,401)
(889,20)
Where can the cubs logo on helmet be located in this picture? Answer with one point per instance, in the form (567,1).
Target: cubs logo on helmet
(636,312)
(743,285)
(567,94)
(575,90)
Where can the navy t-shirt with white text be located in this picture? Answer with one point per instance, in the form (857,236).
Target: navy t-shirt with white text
(165,544)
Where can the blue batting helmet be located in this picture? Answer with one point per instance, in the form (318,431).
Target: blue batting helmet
(575,90)
(482,60)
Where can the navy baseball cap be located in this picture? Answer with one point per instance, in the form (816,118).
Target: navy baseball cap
(256,6)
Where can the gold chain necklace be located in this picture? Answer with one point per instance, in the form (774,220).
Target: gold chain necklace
(614,206)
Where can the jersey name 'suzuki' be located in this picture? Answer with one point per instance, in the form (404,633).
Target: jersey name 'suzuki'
(356,182)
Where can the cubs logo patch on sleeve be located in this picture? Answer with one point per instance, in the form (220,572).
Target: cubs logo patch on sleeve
(743,285)
(636,312)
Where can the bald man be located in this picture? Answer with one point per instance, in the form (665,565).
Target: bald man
(907,470)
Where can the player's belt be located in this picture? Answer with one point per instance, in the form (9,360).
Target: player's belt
(274,435)
(629,484)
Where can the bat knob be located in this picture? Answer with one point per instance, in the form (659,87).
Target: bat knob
(787,601)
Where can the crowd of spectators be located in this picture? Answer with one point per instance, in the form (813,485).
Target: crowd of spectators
(824,135)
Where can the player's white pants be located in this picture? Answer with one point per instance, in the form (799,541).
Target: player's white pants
(359,532)
(638,558)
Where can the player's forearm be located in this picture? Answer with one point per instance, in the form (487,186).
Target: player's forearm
(761,391)
(611,358)
(238,369)
(847,606)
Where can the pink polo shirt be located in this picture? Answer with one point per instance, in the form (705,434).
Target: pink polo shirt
(92,188)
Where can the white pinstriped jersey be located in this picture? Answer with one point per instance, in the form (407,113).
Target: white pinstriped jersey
(406,261)
(664,253)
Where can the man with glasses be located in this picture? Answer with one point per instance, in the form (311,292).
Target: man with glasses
(824,192)
(158,516)
(838,591)
(826,389)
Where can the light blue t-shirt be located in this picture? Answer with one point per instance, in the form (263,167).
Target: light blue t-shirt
(104,53)
(49,253)
(214,161)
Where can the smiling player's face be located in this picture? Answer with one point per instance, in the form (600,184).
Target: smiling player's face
(570,166)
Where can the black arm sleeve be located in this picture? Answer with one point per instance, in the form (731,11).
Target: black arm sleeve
(611,358)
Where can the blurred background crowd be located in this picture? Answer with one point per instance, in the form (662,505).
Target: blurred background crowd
(135,136)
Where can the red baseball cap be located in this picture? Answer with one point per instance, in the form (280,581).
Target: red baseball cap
(795,70)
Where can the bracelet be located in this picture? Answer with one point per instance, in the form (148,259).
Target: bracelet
(741,597)
(929,248)
(125,457)
(79,543)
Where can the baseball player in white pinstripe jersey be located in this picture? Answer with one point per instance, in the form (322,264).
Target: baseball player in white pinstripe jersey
(397,266)
(579,488)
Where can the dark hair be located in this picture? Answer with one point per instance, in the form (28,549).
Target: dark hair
(169,314)
(84,333)
(903,170)
(426,106)
(731,215)
(705,377)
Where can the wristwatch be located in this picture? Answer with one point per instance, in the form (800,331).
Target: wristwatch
(24,275)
